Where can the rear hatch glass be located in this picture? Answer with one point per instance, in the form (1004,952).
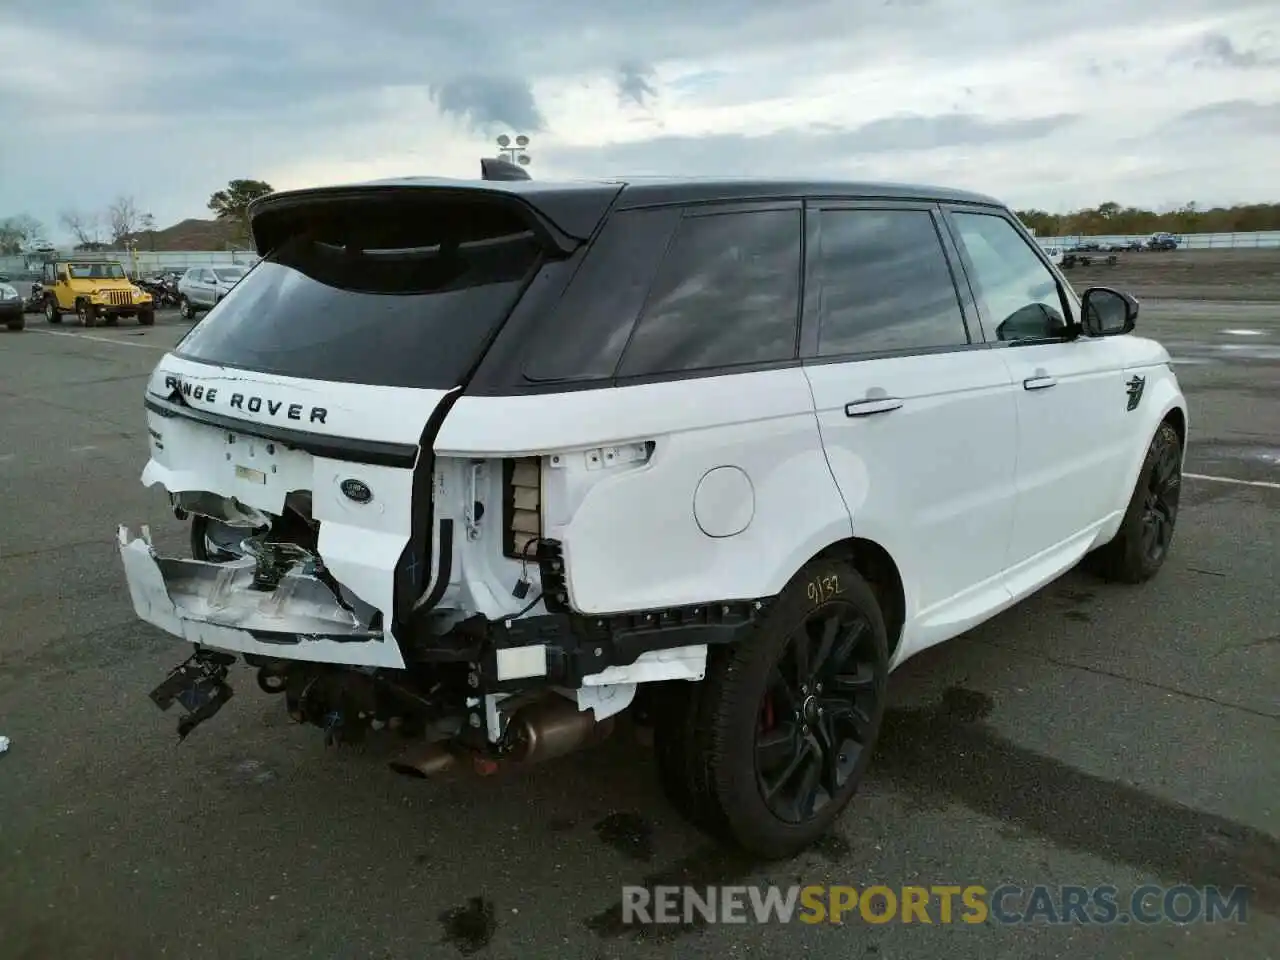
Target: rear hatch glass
(395,291)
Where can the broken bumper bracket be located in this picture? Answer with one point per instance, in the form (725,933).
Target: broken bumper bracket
(199,685)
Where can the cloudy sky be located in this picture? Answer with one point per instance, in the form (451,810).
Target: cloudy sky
(1052,105)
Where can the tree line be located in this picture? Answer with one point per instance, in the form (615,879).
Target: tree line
(1111,219)
(123,222)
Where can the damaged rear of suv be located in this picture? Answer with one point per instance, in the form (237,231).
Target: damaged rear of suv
(487,463)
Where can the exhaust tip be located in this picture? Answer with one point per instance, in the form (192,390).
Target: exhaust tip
(424,762)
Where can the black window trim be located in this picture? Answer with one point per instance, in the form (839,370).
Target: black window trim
(693,211)
(957,260)
(947,211)
(811,297)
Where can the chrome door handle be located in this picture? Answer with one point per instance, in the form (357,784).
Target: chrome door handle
(1039,383)
(865,408)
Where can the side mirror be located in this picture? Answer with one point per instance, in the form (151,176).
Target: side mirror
(1107,313)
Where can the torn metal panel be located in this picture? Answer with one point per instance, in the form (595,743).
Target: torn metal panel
(215,605)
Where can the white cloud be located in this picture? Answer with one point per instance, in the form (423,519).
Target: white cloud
(1036,104)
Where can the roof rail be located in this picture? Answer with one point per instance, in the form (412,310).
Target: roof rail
(495,168)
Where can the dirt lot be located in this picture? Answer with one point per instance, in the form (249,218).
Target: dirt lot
(1249,275)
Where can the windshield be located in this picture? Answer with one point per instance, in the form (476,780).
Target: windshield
(404,294)
(229,274)
(96,271)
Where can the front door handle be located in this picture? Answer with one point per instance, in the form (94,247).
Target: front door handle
(1042,382)
(865,408)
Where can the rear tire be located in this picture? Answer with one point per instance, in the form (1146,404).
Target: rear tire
(1142,544)
(681,740)
(786,721)
(186,309)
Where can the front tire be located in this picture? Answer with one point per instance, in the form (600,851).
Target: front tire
(86,314)
(787,719)
(17,323)
(147,318)
(1142,544)
(51,311)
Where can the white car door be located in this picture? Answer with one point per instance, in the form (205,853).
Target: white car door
(1070,393)
(917,415)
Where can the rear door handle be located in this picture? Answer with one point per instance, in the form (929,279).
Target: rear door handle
(865,408)
(1043,382)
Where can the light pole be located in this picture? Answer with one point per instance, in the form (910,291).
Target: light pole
(516,153)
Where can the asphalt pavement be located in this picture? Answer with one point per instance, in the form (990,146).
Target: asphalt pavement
(1093,735)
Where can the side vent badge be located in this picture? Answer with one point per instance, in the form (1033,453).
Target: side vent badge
(356,490)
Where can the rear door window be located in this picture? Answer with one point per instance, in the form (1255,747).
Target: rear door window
(400,292)
(884,284)
(726,295)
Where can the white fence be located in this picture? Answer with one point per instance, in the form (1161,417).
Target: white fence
(141,262)
(1186,241)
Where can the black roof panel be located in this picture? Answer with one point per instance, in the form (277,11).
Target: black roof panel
(655,190)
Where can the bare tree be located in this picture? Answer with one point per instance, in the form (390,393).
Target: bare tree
(18,231)
(85,227)
(124,219)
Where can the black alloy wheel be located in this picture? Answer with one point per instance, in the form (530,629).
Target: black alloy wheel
(1160,505)
(770,747)
(817,713)
(1141,544)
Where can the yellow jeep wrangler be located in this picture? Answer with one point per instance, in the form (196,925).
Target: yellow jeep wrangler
(95,291)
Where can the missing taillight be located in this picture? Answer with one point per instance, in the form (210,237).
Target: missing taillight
(522,506)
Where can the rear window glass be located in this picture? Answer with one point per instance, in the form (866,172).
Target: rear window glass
(397,292)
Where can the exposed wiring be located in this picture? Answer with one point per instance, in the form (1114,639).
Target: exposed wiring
(529,606)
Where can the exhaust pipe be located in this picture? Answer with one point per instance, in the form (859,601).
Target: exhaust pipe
(552,728)
(425,760)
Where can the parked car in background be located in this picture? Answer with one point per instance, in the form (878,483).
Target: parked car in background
(201,288)
(1162,241)
(94,290)
(12,314)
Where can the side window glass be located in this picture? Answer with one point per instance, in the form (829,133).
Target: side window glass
(1022,298)
(884,284)
(727,293)
(585,333)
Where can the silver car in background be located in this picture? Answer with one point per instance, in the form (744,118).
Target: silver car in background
(201,288)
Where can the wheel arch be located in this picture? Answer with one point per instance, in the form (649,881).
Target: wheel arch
(1177,418)
(879,569)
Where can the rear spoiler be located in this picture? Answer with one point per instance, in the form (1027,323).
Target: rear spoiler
(496,168)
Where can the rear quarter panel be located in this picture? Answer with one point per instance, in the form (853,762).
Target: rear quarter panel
(630,536)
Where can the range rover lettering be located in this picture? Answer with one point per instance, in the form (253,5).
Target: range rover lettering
(484,464)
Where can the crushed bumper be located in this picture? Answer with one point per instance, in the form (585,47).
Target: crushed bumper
(216,605)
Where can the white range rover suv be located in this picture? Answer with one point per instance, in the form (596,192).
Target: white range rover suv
(482,464)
